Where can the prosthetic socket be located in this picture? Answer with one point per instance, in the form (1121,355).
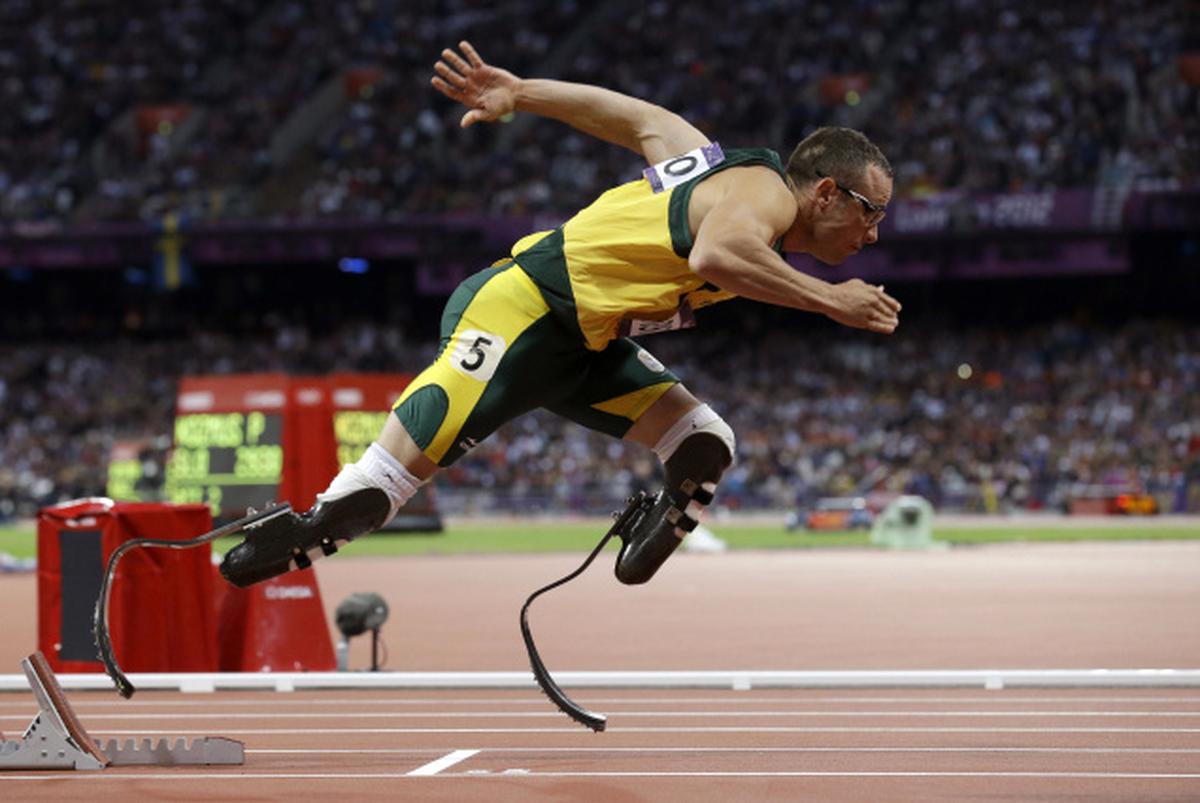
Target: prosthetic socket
(295,540)
(362,497)
(702,451)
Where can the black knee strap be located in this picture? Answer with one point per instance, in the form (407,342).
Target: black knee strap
(695,491)
(680,519)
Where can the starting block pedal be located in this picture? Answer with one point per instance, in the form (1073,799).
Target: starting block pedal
(57,740)
(165,753)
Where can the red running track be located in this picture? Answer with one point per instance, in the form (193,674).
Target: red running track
(698,745)
(1114,606)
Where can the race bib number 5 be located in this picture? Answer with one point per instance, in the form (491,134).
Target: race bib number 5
(678,169)
(476,354)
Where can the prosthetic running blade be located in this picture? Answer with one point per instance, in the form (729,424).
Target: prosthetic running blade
(636,508)
(100,619)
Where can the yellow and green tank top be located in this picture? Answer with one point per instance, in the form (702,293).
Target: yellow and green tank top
(619,266)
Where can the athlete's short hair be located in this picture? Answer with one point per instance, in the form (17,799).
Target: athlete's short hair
(838,153)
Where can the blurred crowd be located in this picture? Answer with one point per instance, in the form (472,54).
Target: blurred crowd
(73,71)
(299,108)
(986,421)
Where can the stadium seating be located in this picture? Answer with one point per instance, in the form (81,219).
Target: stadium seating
(296,109)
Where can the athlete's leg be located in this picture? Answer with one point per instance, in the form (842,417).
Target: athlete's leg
(499,358)
(662,415)
(629,394)
(399,444)
(696,447)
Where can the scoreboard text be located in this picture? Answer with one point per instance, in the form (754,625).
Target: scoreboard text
(230,461)
(354,431)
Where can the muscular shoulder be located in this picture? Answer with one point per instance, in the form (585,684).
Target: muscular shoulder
(754,191)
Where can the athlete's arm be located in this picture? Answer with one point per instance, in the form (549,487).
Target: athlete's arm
(732,250)
(490,93)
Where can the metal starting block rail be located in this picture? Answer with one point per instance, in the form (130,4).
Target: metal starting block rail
(57,740)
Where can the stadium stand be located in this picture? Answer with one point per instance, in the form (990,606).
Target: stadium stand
(1047,414)
(215,110)
(298,111)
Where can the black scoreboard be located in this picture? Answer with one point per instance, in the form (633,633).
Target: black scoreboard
(230,461)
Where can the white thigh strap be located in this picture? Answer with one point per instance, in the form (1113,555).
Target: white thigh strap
(698,419)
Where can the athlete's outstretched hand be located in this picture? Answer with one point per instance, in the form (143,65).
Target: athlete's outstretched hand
(488,92)
(866,306)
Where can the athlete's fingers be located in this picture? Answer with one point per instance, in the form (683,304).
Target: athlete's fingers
(446,89)
(883,321)
(472,117)
(472,56)
(892,303)
(442,69)
(455,61)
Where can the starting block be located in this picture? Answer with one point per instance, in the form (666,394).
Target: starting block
(57,740)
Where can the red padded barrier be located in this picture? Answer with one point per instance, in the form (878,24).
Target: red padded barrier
(161,614)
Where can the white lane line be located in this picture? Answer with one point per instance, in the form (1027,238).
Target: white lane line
(881,774)
(666,713)
(580,731)
(108,775)
(734,698)
(448,760)
(645,750)
(300,751)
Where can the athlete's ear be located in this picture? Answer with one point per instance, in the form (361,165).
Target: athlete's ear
(825,191)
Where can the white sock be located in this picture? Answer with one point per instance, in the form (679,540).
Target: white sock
(377,468)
